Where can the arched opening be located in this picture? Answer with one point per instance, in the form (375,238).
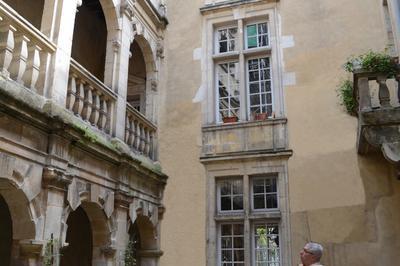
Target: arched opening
(137,78)
(5,233)
(90,38)
(79,239)
(134,245)
(32,11)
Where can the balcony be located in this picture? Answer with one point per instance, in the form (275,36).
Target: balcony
(377,96)
(245,139)
(26,57)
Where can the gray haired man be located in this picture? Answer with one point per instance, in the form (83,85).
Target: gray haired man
(311,254)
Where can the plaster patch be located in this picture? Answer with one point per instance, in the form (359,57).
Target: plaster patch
(200,95)
(289,79)
(287,41)
(197,53)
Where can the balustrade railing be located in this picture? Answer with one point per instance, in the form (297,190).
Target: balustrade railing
(140,134)
(25,52)
(376,91)
(89,99)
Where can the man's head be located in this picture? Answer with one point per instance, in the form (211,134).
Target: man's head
(311,253)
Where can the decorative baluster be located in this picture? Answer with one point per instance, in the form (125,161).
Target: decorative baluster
(71,94)
(94,117)
(398,87)
(18,64)
(151,145)
(142,139)
(108,116)
(80,97)
(45,60)
(88,102)
(103,113)
(364,94)
(33,66)
(384,94)
(131,139)
(127,128)
(147,142)
(6,47)
(137,136)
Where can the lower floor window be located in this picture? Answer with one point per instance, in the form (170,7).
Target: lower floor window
(232,245)
(266,245)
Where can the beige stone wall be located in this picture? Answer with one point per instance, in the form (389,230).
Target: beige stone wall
(347,202)
(183,236)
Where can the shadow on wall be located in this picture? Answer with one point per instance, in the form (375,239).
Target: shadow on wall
(366,234)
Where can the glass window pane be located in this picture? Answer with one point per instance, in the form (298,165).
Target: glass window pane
(266,98)
(253,64)
(265,74)
(222,35)
(251,30)
(262,41)
(254,88)
(238,203)
(226,229)
(226,203)
(265,86)
(225,188)
(258,186)
(226,255)
(254,76)
(269,109)
(264,62)
(255,99)
(223,47)
(251,42)
(238,255)
(262,28)
(238,229)
(258,202)
(272,201)
(226,242)
(237,187)
(238,242)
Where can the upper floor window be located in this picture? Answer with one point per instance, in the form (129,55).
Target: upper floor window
(257,35)
(264,193)
(228,89)
(230,195)
(226,39)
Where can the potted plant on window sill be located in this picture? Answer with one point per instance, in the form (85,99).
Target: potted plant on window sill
(260,116)
(230,119)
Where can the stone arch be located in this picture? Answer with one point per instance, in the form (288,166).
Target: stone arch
(143,43)
(101,228)
(96,25)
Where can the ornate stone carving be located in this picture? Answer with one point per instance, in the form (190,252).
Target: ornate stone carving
(127,8)
(55,178)
(107,200)
(160,49)
(76,192)
(154,84)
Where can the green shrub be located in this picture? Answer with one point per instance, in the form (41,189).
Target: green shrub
(345,93)
(373,62)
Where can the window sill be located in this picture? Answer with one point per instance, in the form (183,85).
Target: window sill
(226,56)
(258,51)
(241,124)
(229,217)
(273,214)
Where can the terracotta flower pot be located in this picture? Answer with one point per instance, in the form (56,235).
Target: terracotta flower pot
(230,119)
(261,116)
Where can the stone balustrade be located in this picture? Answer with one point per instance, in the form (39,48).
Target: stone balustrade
(89,99)
(140,133)
(25,52)
(377,97)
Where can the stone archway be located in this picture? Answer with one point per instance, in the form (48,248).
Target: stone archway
(30,10)
(6,235)
(79,239)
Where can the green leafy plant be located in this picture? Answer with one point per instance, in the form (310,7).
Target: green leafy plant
(345,93)
(373,62)
(50,252)
(130,259)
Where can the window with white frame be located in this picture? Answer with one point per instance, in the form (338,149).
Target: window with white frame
(226,39)
(230,195)
(257,35)
(231,242)
(259,86)
(264,193)
(266,245)
(228,89)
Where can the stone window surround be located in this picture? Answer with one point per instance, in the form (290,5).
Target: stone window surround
(394,12)
(241,17)
(280,216)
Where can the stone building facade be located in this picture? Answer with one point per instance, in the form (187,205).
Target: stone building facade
(257,186)
(80,181)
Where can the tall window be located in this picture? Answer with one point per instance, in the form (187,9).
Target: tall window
(234,88)
(230,195)
(267,246)
(264,193)
(231,241)
(228,89)
(226,39)
(259,85)
(257,35)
